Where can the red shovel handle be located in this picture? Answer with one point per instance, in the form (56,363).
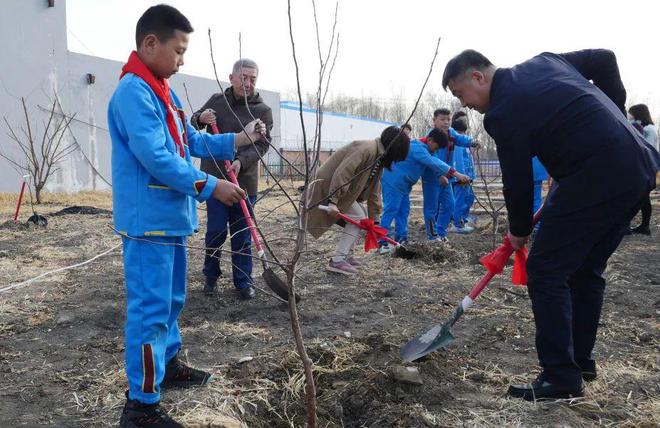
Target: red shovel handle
(20,199)
(483,282)
(244,208)
(357,223)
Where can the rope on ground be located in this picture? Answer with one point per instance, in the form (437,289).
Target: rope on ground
(10,287)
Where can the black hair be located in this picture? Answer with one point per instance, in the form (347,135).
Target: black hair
(441,111)
(439,137)
(161,20)
(396,144)
(461,63)
(459,125)
(641,112)
(459,114)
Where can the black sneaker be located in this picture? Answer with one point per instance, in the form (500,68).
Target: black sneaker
(246,293)
(137,415)
(209,285)
(541,389)
(179,375)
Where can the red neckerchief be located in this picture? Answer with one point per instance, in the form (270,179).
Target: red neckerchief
(162,90)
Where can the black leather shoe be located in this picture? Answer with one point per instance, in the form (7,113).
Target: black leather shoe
(541,389)
(179,375)
(247,293)
(589,375)
(642,230)
(137,415)
(209,285)
(589,372)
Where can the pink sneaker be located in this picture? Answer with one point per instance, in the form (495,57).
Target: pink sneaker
(343,267)
(354,261)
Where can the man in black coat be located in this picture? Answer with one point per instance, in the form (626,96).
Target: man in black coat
(242,100)
(602,169)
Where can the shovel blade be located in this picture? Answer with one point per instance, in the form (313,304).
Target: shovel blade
(431,340)
(276,284)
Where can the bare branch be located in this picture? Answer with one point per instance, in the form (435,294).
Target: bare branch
(300,102)
(412,113)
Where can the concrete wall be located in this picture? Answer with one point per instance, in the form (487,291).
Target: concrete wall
(34,65)
(41,65)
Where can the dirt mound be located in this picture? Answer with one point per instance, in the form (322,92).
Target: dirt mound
(81,210)
(432,252)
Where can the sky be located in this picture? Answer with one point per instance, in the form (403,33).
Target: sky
(385,46)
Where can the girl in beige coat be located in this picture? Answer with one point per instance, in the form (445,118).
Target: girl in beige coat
(348,178)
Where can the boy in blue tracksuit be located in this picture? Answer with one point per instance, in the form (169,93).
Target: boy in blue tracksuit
(398,182)
(155,186)
(439,197)
(463,195)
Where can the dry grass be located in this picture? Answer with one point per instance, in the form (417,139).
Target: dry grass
(50,201)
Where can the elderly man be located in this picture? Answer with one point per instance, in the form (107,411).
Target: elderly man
(242,100)
(547,107)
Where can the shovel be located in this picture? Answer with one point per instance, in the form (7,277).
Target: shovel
(271,279)
(399,250)
(440,335)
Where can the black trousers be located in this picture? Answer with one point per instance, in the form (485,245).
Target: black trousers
(565,281)
(646,212)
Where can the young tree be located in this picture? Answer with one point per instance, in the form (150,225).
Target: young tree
(489,175)
(40,152)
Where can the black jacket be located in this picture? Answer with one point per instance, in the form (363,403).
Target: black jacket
(547,107)
(248,177)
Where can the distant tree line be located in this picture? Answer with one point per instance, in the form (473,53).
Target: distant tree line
(396,108)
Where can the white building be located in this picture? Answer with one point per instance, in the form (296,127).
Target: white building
(338,129)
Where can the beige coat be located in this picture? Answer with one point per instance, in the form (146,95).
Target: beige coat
(355,162)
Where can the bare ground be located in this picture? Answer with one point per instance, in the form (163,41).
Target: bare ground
(61,353)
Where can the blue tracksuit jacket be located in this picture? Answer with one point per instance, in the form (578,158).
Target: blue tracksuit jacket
(398,183)
(153,186)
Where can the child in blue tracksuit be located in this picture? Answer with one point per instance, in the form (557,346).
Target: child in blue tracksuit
(398,182)
(464,196)
(439,199)
(155,186)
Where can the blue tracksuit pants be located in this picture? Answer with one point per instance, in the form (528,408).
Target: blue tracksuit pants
(218,216)
(431,192)
(464,198)
(396,208)
(446,205)
(155,275)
